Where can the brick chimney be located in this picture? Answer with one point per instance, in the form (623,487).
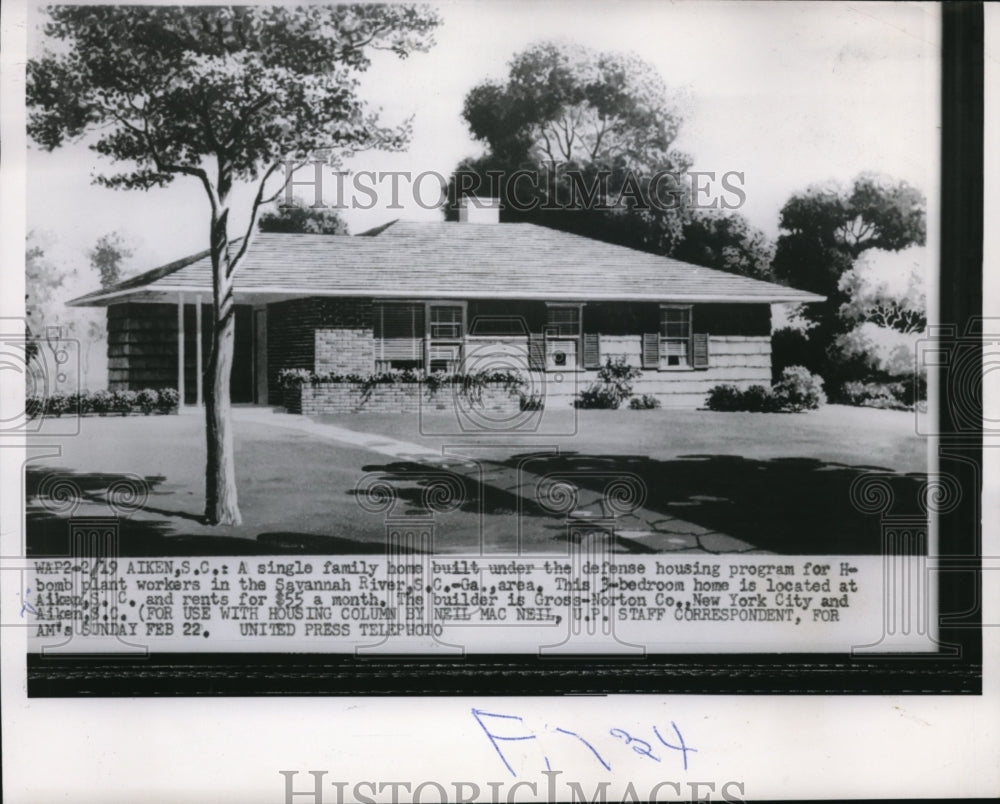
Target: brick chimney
(478,210)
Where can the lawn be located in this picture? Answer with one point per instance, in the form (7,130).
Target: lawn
(864,437)
(715,482)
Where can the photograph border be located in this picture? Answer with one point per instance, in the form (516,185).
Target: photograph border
(959,558)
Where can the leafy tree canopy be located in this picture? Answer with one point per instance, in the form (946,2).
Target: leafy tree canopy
(726,241)
(297,217)
(573,105)
(167,86)
(886,288)
(875,212)
(42,280)
(108,256)
(825,228)
(608,117)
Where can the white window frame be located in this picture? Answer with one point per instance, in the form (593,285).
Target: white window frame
(688,365)
(430,342)
(578,338)
(427,340)
(379,345)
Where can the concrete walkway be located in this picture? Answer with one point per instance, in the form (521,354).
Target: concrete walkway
(642,531)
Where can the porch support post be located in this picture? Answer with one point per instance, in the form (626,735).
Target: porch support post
(199,345)
(180,348)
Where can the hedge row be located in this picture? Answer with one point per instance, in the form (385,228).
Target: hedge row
(146,401)
(797,390)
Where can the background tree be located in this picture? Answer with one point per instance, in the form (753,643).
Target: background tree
(42,281)
(220,95)
(887,288)
(300,218)
(823,231)
(726,241)
(609,116)
(108,257)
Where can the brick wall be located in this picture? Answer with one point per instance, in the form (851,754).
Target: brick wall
(314,400)
(344,351)
(318,334)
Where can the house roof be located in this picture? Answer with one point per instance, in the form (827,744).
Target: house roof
(449,260)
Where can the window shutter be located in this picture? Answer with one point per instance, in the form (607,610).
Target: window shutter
(650,350)
(536,352)
(591,350)
(700,356)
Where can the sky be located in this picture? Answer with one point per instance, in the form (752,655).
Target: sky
(789,94)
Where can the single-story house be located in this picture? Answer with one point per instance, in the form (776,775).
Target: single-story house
(455,297)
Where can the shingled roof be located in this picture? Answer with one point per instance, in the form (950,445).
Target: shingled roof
(450,260)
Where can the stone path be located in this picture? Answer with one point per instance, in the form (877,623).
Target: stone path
(641,531)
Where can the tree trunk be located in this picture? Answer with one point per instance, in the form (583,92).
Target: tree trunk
(221,507)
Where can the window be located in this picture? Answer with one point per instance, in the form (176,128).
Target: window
(562,336)
(399,336)
(563,321)
(444,337)
(675,337)
(446,322)
(497,326)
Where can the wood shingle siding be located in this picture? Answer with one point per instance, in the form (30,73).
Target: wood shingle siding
(142,346)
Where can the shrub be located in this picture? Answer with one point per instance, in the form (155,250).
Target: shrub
(56,405)
(884,395)
(725,397)
(288,378)
(755,399)
(123,401)
(101,402)
(146,400)
(470,385)
(167,400)
(644,402)
(614,386)
(799,389)
(599,397)
(81,402)
(759,399)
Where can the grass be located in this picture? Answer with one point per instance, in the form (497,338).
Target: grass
(884,439)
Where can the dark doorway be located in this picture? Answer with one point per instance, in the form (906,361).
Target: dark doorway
(241,382)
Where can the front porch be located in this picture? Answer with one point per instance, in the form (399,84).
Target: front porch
(163,345)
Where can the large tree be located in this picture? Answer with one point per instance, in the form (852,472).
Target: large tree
(887,289)
(728,242)
(825,228)
(219,95)
(609,118)
(823,231)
